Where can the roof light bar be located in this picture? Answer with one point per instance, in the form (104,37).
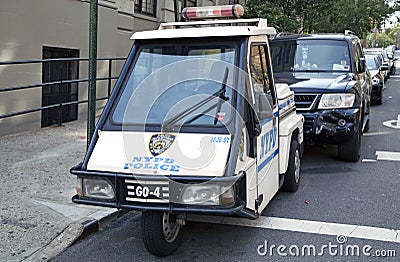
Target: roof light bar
(207,12)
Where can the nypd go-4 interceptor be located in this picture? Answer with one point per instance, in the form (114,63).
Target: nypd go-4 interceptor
(194,125)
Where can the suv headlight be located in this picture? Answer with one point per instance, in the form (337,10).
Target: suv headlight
(330,101)
(376,80)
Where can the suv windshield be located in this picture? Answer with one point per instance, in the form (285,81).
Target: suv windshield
(310,56)
(178,84)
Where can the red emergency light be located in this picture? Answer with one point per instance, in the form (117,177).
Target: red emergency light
(206,12)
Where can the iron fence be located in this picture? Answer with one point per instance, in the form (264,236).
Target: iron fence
(61,104)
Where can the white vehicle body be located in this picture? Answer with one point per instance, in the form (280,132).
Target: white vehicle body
(229,159)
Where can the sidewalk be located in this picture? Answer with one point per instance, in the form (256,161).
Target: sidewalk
(37,217)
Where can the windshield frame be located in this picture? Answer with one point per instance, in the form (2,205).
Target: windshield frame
(235,42)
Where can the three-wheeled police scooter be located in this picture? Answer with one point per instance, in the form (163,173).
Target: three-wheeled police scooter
(194,125)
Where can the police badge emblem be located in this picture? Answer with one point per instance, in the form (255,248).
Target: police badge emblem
(160,143)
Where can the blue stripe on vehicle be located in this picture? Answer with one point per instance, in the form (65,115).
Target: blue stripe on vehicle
(267,160)
(288,102)
(266,121)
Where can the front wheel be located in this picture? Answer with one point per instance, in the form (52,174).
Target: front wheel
(162,232)
(351,150)
(292,175)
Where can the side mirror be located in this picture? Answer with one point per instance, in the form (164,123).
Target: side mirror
(361,65)
(264,109)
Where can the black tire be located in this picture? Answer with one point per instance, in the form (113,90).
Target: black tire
(154,233)
(379,100)
(367,126)
(350,151)
(292,176)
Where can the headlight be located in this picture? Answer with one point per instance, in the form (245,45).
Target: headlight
(329,101)
(96,188)
(208,195)
(376,80)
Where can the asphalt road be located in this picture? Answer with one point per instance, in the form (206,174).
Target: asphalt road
(366,193)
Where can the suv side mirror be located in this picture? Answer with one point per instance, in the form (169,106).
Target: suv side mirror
(264,109)
(361,65)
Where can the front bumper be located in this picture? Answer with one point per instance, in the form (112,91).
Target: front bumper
(323,126)
(121,201)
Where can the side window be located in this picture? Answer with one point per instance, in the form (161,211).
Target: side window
(261,71)
(358,54)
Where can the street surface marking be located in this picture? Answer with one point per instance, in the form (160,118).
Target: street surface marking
(306,226)
(395,76)
(369,160)
(398,121)
(387,155)
(378,133)
(393,123)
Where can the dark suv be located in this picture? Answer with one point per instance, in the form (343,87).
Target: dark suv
(332,87)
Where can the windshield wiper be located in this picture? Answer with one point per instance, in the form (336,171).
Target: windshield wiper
(184,113)
(222,97)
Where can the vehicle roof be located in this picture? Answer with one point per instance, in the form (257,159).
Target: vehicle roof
(374,49)
(316,36)
(371,55)
(240,27)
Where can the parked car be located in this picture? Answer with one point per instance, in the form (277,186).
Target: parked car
(378,83)
(396,57)
(332,85)
(396,54)
(386,61)
(390,50)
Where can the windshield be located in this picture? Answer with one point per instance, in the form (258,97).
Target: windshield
(314,56)
(178,84)
(371,62)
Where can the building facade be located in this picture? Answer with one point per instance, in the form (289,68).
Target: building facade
(46,29)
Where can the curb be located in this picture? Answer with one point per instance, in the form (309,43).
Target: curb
(73,233)
(94,225)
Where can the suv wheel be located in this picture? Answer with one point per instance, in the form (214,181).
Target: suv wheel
(351,149)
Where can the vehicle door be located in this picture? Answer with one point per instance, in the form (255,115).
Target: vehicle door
(266,106)
(364,78)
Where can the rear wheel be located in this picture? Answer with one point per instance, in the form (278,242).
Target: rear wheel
(162,232)
(379,100)
(351,149)
(292,175)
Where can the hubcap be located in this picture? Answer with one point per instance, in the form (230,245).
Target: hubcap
(170,228)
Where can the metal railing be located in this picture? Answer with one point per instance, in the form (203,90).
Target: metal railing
(59,105)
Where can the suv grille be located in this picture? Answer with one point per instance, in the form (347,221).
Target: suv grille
(304,101)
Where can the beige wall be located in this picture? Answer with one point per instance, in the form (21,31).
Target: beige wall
(28,25)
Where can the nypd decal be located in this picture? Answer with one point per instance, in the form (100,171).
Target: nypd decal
(159,143)
(268,142)
(155,163)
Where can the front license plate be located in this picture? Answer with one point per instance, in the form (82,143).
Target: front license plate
(147,191)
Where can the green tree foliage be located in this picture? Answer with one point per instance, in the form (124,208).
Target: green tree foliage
(320,16)
(383,39)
